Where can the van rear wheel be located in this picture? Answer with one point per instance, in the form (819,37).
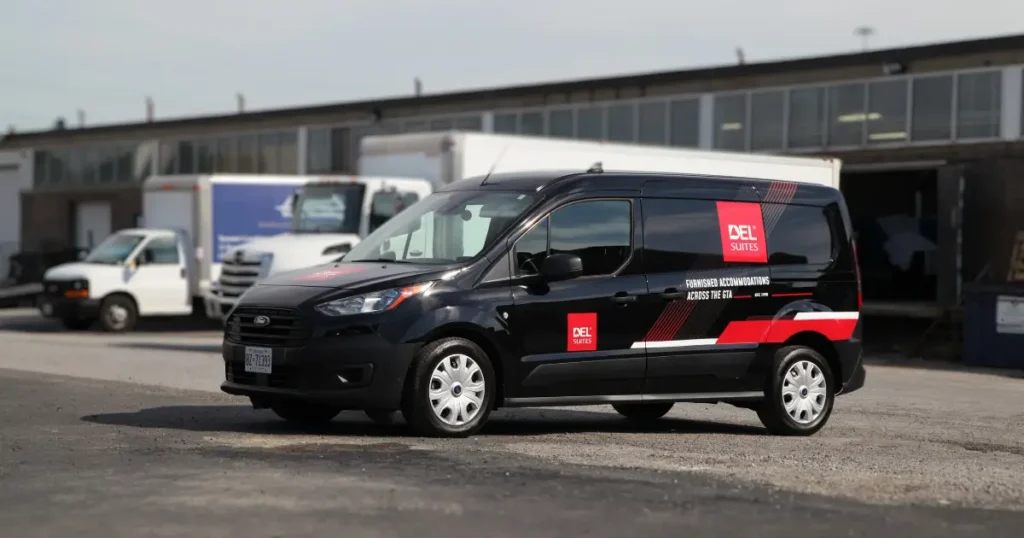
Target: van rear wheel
(800,393)
(643,411)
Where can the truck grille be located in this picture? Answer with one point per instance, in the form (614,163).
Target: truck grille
(286,328)
(237,276)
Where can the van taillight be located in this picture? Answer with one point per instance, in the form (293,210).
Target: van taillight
(856,269)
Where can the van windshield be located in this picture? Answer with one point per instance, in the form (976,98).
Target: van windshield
(444,227)
(114,249)
(328,208)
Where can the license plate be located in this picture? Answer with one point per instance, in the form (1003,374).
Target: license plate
(258,360)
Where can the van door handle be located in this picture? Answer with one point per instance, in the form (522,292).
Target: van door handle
(672,293)
(623,298)
(183,272)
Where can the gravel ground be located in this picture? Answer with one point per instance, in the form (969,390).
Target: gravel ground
(937,439)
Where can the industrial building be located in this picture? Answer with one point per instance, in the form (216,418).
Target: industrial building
(930,136)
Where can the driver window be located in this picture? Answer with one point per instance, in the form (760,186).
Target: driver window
(598,231)
(161,251)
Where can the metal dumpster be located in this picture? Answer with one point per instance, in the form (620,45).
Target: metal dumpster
(993,325)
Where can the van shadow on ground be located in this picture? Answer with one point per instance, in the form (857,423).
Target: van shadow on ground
(517,422)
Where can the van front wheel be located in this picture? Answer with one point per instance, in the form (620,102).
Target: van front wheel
(452,389)
(799,394)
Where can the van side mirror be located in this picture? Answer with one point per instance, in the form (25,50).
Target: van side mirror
(561,266)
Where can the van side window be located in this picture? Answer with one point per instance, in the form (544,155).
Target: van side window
(598,231)
(801,235)
(681,235)
(161,251)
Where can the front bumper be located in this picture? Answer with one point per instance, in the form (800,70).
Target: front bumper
(364,371)
(59,307)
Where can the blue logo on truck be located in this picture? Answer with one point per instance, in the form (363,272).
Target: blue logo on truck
(244,212)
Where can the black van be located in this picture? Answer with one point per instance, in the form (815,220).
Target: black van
(635,290)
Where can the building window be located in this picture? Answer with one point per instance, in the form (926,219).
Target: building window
(887,111)
(125,164)
(652,123)
(590,123)
(560,123)
(39,172)
(75,165)
(506,123)
(767,118)
(206,154)
(248,154)
(730,117)
(684,123)
(932,114)
(806,118)
(269,153)
(978,106)
(442,124)
(226,155)
(289,152)
(144,159)
(622,123)
(846,109)
(90,165)
(531,123)
(168,158)
(318,151)
(469,123)
(415,126)
(186,158)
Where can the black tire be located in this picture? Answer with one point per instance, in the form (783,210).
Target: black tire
(111,322)
(304,413)
(77,324)
(382,417)
(643,411)
(772,410)
(416,405)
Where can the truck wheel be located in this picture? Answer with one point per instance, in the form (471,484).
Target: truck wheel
(76,324)
(452,389)
(799,394)
(118,314)
(304,413)
(643,412)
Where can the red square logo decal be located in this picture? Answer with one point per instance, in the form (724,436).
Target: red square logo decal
(742,232)
(582,333)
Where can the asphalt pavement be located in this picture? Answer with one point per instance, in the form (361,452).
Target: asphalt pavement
(128,435)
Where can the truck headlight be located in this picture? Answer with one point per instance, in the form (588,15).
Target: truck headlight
(266,261)
(368,303)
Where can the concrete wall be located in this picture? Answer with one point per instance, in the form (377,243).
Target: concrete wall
(15,176)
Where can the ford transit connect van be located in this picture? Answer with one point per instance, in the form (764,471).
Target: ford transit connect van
(550,289)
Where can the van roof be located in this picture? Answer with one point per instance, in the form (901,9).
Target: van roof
(647,183)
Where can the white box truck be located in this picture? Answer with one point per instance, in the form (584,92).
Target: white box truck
(165,268)
(443,157)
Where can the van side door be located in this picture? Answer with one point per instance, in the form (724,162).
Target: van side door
(159,278)
(575,337)
(706,264)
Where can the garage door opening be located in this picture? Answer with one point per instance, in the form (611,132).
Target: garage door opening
(894,214)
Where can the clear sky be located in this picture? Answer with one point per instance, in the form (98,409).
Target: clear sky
(192,56)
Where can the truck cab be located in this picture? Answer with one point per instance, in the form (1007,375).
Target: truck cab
(134,273)
(328,217)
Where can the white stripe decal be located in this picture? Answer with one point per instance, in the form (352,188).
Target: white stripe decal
(676,343)
(827,315)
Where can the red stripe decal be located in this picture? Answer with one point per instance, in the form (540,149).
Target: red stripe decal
(780,330)
(801,294)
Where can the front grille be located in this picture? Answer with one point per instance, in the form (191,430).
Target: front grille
(286,328)
(282,377)
(237,277)
(56,288)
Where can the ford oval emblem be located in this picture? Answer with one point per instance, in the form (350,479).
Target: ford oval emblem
(261,321)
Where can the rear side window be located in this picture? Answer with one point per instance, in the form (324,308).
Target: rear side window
(682,235)
(799,235)
(598,231)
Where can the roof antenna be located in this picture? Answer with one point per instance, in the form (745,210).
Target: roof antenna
(596,168)
(496,161)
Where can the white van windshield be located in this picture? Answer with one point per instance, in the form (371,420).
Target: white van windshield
(443,227)
(114,249)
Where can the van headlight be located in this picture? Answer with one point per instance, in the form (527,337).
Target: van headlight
(266,261)
(369,303)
